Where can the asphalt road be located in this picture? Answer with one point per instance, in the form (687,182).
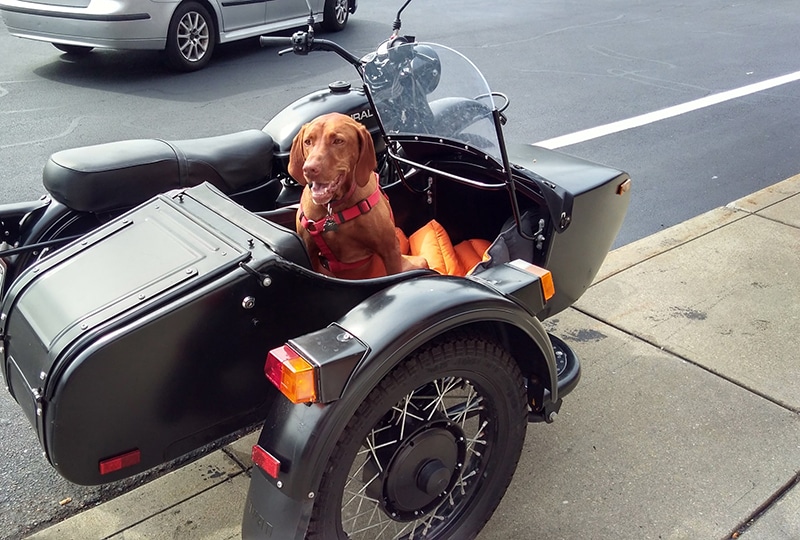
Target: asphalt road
(566,66)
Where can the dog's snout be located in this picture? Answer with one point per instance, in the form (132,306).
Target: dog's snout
(311,166)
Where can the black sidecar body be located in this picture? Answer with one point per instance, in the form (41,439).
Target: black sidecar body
(147,338)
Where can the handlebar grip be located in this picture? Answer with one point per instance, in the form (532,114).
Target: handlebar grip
(266,41)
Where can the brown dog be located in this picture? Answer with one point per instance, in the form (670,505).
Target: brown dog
(344,218)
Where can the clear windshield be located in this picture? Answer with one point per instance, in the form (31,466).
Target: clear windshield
(430,89)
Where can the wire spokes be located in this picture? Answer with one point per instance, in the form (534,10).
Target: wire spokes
(368,510)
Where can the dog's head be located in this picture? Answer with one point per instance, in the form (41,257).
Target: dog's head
(332,154)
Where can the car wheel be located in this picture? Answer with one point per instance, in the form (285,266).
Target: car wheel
(75,50)
(335,15)
(191,38)
(430,451)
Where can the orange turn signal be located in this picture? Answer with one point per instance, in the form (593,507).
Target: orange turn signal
(292,374)
(545,277)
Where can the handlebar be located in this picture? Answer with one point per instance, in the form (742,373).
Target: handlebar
(303,42)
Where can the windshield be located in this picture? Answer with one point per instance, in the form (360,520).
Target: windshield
(430,89)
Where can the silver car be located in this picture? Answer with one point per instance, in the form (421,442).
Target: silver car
(186,30)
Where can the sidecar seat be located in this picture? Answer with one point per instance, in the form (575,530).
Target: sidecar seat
(123,174)
(432,242)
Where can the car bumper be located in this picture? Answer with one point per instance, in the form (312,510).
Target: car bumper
(90,23)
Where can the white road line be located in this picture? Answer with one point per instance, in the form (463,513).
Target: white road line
(669,112)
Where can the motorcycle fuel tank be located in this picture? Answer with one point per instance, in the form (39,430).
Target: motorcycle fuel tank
(338,97)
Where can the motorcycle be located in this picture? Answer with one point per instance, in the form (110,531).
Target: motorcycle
(89,186)
(391,407)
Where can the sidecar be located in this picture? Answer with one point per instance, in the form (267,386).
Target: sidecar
(404,397)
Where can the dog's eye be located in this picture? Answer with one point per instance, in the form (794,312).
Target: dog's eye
(307,142)
(338,140)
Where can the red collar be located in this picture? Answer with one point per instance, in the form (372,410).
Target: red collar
(361,207)
(331,222)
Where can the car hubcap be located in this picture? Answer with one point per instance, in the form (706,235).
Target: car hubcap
(419,465)
(193,36)
(340,9)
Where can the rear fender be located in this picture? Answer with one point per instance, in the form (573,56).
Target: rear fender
(390,325)
(16,217)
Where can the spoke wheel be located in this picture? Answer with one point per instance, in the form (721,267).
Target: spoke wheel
(191,38)
(335,15)
(431,451)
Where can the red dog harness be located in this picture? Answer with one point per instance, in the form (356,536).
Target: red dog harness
(330,223)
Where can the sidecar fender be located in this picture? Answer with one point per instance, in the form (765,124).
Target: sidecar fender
(389,326)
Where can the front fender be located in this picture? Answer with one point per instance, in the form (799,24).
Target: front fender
(392,324)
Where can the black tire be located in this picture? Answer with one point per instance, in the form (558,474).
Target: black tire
(74,50)
(335,16)
(191,38)
(433,447)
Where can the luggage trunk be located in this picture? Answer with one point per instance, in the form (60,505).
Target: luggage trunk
(146,339)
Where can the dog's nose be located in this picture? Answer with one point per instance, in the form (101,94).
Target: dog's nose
(311,167)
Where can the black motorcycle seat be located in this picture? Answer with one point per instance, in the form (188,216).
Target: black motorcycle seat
(123,174)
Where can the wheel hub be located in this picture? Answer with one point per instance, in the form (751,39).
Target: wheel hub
(422,470)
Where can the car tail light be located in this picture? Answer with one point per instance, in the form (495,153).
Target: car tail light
(266,461)
(121,461)
(545,277)
(292,374)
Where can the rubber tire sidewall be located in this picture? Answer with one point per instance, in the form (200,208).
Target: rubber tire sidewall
(172,54)
(488,366)
(329,22)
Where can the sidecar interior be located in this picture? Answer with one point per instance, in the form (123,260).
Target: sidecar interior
(123,174)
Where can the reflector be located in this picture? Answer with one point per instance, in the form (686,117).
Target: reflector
(266,461)
(121,461)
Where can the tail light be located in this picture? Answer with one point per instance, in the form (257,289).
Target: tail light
(545,277)
(292,374)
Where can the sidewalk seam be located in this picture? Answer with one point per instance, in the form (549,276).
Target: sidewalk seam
(668,249)
(687,360)
(761,510)
(171,506)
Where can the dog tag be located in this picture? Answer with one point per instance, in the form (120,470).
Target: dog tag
(330,225)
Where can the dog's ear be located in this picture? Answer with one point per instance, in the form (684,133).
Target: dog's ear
(367,162)
(297,157)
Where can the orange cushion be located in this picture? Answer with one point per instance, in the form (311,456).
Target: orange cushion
(470,252)
(432,242)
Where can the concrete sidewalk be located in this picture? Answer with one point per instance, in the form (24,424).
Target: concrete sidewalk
(685,424)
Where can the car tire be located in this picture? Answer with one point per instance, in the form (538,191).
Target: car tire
(191,38)
(431,450)
(74,50)
(335,15)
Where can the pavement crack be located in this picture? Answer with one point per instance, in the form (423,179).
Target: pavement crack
(761,510)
